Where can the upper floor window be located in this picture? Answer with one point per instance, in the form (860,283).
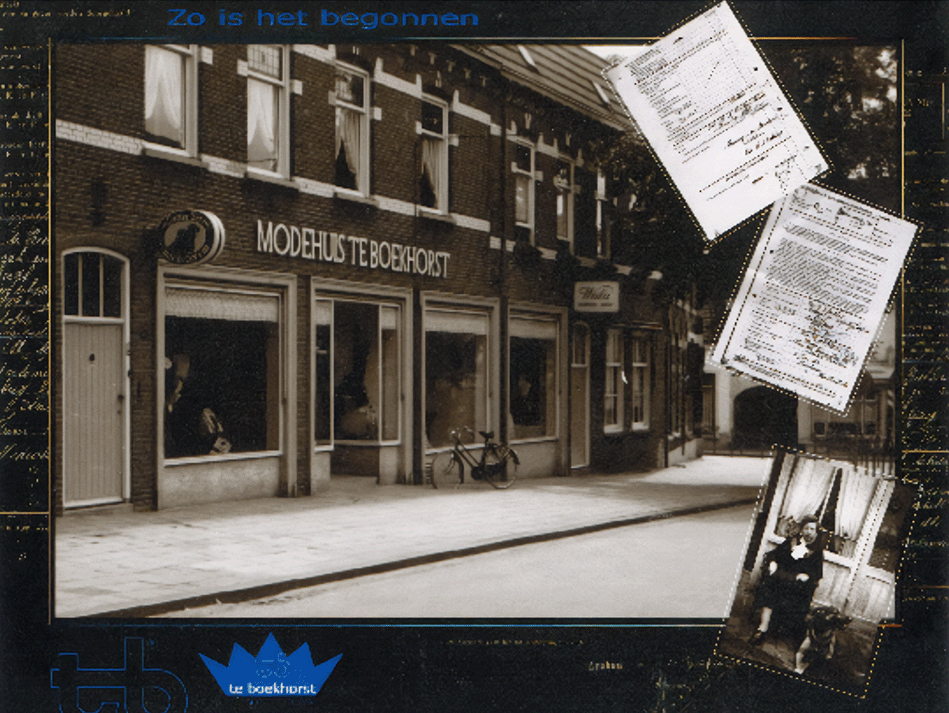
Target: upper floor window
(171,96)
(603,218)
(352,129)
(433,179)
(268,108)
(563,183)
(523,169)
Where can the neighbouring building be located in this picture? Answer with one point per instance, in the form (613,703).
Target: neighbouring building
(279,264)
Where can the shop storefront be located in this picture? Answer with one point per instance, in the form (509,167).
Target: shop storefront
(247,312)
(227,402)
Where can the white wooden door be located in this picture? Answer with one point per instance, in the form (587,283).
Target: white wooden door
(94,404)
(94,382)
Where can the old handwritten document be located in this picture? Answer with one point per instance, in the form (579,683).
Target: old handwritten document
(717,120)
(814,295)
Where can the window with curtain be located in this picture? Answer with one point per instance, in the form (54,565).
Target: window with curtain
(171,96)
(615,382)
(267,108)
(352,129)
(639,373)
(563,184)
(603,217)
(523,169)
(837,494)
(433,175)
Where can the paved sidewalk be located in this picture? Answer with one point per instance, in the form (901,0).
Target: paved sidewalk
(144,563)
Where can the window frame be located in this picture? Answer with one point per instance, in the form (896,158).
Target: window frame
(615,337)
(567,192)
(602,218)
(441,197)
(531,175)
(190,55)
(364,112)
(283,87)
(380,303)
(520,326)
(640,346)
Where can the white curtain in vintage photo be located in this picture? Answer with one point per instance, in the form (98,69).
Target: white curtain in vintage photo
(163,94)
(261,124)
(807,489)
(856,491)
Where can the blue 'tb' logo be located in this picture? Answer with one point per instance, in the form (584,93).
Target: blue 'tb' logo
(132,689)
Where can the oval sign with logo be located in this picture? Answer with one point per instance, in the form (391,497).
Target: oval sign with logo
(191,237)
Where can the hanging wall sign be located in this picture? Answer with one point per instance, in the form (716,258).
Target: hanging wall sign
(596,296)
(191,237)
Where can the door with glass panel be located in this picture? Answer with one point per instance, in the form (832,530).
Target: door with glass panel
(579,396)
(94,382)
(358,372)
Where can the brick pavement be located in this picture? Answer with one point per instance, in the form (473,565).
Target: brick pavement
(137,564)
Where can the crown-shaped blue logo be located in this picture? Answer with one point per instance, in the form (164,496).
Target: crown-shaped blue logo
(271,672)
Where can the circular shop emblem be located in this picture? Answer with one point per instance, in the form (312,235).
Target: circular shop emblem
(191,237)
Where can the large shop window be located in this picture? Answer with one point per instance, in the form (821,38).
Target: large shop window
(533,378)
(268,108)
(222,372)
(358,352)
(456,374)
(433,179)
(171,111)
(352,129)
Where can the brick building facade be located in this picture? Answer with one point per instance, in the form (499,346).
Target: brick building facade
(277,264)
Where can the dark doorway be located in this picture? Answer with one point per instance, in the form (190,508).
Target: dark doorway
(764,417)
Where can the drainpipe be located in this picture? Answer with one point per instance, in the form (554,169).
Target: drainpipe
(502,276)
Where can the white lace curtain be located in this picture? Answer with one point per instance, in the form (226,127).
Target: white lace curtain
(347,137)
(807,489)
(164,90)
(430,167)
(856,492)
(261,124)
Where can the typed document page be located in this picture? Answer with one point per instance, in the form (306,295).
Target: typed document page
(814,295)
(718,120)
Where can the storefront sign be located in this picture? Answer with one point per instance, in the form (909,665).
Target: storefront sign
(596,296)
(191,237)
(326,246)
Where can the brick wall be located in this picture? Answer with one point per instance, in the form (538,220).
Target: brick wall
(110,195)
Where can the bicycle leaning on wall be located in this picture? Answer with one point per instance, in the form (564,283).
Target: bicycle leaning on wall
(497,465)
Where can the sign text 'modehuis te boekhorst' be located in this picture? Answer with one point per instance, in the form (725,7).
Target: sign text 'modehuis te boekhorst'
(327,246)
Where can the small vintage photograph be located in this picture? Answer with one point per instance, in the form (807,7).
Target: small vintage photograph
(820,573)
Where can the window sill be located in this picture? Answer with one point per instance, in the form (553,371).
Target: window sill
(223,457)
(613,430)
(432,214)
(272,177)
(168,153)
(533,439)
(353,197)
(640,428)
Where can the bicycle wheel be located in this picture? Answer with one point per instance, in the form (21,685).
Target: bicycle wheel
(446,470)
(500,466)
